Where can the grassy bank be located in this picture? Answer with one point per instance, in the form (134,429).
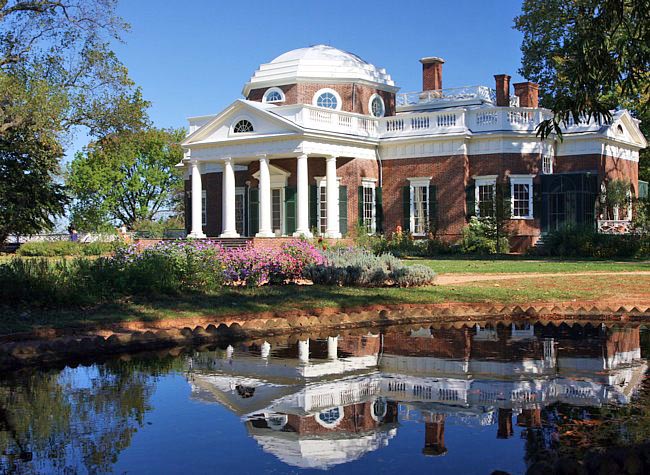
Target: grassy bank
(523,264)
(285,298)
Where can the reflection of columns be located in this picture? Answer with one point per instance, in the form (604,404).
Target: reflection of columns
(504,430)
(229,351)
(229,228)
(434,436)
(332,347)
(265,349)
(302,194)
(265,199)
(332,196)
(530,418)
(197,202)
(303,351)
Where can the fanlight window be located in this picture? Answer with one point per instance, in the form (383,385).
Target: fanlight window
(273,95)
(377,107)
(328,100)
(331,416)
(242,127)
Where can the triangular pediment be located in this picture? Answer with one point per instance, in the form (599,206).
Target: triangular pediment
(221,128)
(626,128)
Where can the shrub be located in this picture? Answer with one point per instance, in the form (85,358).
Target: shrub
(63,248)
(360,267)
(586,242)
(479,237)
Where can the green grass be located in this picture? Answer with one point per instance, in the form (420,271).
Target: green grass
(522,264)
(286,298)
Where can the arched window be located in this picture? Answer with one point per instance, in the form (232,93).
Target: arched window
(274,94)
(377,108)
(242,127)
(331,417)
(327,98)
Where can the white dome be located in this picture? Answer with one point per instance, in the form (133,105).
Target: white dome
(319,62)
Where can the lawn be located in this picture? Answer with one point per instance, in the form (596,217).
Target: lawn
(285,298)
(461,265)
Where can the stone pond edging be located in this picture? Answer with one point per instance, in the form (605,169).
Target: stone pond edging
(50,346)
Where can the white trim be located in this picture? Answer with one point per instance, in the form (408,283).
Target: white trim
(383,105)
(339,102)
(521,180)
(420,180)
(279,177)
(271,90)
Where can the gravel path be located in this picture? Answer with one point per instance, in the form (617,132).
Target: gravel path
(451,279)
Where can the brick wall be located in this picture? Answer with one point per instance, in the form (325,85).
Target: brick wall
(303,93)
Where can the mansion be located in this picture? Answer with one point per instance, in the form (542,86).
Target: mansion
(323,142)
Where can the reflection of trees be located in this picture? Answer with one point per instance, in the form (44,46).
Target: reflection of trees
(65,421)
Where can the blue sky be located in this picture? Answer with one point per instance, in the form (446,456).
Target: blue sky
(193,57)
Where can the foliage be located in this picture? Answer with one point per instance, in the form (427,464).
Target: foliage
(588,56)
(586,242)
(616,195)
(642,216)
(126,177)
(360,267)
(57,72)
(480,237)
(399,244)
(150,229)
(64,248)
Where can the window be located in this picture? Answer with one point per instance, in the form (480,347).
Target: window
(242,127)
(377,108)
(521,192)
(547,165)
(331,417)
(204,208)
(274,94)
(322,208)
(419,194)
(239,211)
(369,206)
(276,209)
(327,98)
(485,196)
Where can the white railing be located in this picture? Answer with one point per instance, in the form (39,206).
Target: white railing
(445,96)
(452,120)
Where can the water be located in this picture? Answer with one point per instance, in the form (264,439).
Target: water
(404,399)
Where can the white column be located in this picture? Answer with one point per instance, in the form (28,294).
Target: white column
(303,351)
(332,195)
(265,350)
(332,347)
(229,351)
(197,202)
(302,192)
(228,200)
(265,199)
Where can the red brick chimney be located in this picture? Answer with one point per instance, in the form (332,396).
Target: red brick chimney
(503,89)
(432,73)
(527,92)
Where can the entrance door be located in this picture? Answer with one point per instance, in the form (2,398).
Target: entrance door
(240,215)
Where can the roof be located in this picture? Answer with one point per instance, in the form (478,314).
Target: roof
(318,62)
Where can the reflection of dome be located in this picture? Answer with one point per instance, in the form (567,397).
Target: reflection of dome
(317,62)
(320,452)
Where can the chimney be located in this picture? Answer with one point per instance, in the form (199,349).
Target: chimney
(503,89)
(527,92)
(432,73)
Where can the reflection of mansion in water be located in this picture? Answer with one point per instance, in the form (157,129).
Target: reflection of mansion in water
(318,403)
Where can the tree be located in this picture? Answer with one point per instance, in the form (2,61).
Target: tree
(126,177)
(589,57)
(57,73)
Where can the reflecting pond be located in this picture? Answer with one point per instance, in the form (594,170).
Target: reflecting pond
(465,399)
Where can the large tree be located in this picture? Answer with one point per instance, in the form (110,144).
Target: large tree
(125,177)
(589,57)
(57,73)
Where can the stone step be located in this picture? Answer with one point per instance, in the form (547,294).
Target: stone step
(232,243)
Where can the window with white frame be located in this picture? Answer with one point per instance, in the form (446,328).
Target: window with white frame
(369,206)
(547,165)
(321,185)
(242,127)
(273,94)
(327,98)
(485,195)
(204,208)
(521,196)
(276,209)
(419,224)
(377,108)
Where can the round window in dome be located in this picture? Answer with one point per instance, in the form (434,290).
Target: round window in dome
(243,126)
(327,98)
(377,108)
(274,94)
